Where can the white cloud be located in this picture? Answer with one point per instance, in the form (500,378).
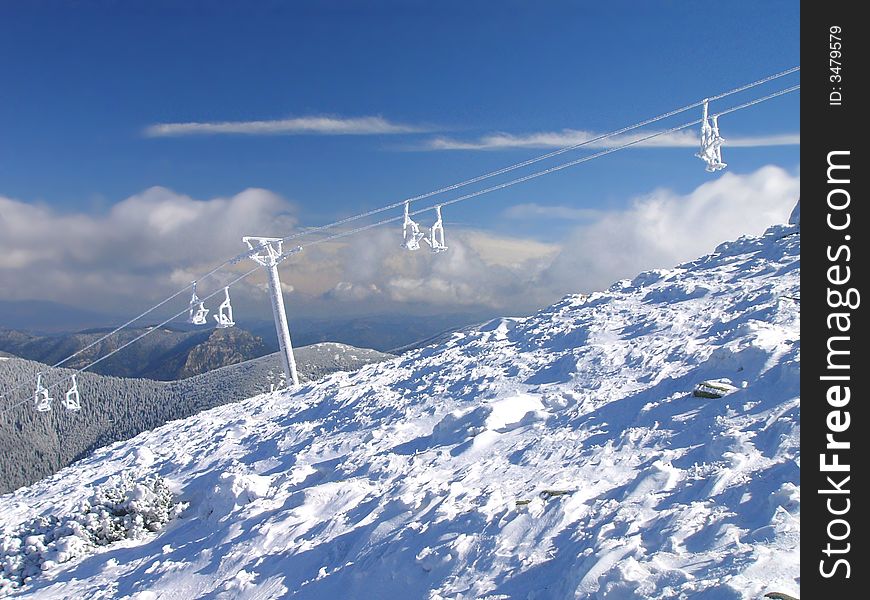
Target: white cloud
(571,137)
(145,246)
(533,210)
(154,243)
(322,125)
(658,230)
(479,269)
(663,229)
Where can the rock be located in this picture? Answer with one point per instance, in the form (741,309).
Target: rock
(713,388)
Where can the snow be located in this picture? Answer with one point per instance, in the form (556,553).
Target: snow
(553,456)
(121,509)
(795,217)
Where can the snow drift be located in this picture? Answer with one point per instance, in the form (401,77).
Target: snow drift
(553,456)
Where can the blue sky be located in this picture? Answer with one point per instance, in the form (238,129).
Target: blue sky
(81,83)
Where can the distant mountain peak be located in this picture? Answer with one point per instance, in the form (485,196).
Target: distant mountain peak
(223,347)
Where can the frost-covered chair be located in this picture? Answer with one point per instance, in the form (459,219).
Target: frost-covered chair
(197,311)
(411,234)
(711,142)
(41,397)
(436,233)
(224,317)
(72,400)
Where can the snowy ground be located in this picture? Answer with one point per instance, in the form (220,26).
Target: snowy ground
(556,456)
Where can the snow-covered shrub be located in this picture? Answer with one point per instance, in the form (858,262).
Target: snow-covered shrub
(122,508)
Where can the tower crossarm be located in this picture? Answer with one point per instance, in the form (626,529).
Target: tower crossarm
(267,251)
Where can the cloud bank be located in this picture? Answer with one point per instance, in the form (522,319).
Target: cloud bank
(663,229)
(151,244)
(658,230)
(321,125)
(146,246)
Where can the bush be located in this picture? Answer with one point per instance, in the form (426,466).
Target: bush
(122,508)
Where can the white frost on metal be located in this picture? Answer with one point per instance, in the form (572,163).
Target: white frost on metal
(411,233)
(436,233)
(269,252)
(40,396)
(72,400)
(711,142)
(197,312)
(224,317)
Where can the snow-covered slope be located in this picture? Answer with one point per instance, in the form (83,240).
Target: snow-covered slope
(556,456)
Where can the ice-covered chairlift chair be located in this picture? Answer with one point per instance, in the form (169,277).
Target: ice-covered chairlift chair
(711,142)
(411,233)
(717,141)
(197,312)
(40,396)
(224,317)
(71,400)
(436,233)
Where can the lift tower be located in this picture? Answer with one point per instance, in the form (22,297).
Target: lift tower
(269,252)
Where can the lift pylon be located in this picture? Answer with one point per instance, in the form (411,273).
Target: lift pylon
(269,252)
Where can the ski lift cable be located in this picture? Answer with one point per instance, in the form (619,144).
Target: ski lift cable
(172,318)
(143,314)
(454,201)
(136,318)
(542,157)
(438,191)
(549,170)
(416,212)
(756,101)
(134,340)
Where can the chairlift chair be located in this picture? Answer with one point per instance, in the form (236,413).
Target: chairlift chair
(411,233)
(197,312)
(224,317)
(711,142)
(40,396)
(72,400)
(436,233)
(717,141)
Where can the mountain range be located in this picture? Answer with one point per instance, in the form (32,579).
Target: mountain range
(177,351)
(163,354)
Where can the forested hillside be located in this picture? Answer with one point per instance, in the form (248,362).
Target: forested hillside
(34,445)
